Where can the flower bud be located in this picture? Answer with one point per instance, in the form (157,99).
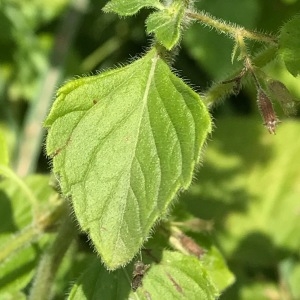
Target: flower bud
(267,112)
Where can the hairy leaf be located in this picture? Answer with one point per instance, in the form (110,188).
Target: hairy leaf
(175,276)
(124,142)
(128,8)
(166,24)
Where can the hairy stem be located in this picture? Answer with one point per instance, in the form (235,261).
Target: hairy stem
(230,29)
(50,262)
(218,91)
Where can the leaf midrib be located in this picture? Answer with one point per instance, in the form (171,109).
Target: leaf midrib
(144,105)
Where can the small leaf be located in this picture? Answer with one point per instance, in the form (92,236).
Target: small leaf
(289,45)
(234,53)
(166,24)
(176,276)
(216,267)
(98,283)
(209,256)
(124,142)
(128,8)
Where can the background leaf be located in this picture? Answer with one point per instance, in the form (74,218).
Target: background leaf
(289,45)
(131,169)
(176,276)
(96,282)
(253,197)
(16,213)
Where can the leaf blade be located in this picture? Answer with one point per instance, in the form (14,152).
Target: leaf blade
(166,24)
(176,276)
(124,161)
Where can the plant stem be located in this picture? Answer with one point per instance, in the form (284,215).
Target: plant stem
(228,28)
(48,266)
(31,137)
(20,240)
(220,90)
(32,232)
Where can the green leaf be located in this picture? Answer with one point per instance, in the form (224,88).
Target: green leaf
(17,272)
(277,70)
(124,142)
(215,265)
(202,248)
(98,283)
(166,24)
(289,45)
(176,276)
(16,204)
(71,267)
(16,214)
(280,92)
(128,8)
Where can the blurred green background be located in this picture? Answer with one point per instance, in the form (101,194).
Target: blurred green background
(249,183)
